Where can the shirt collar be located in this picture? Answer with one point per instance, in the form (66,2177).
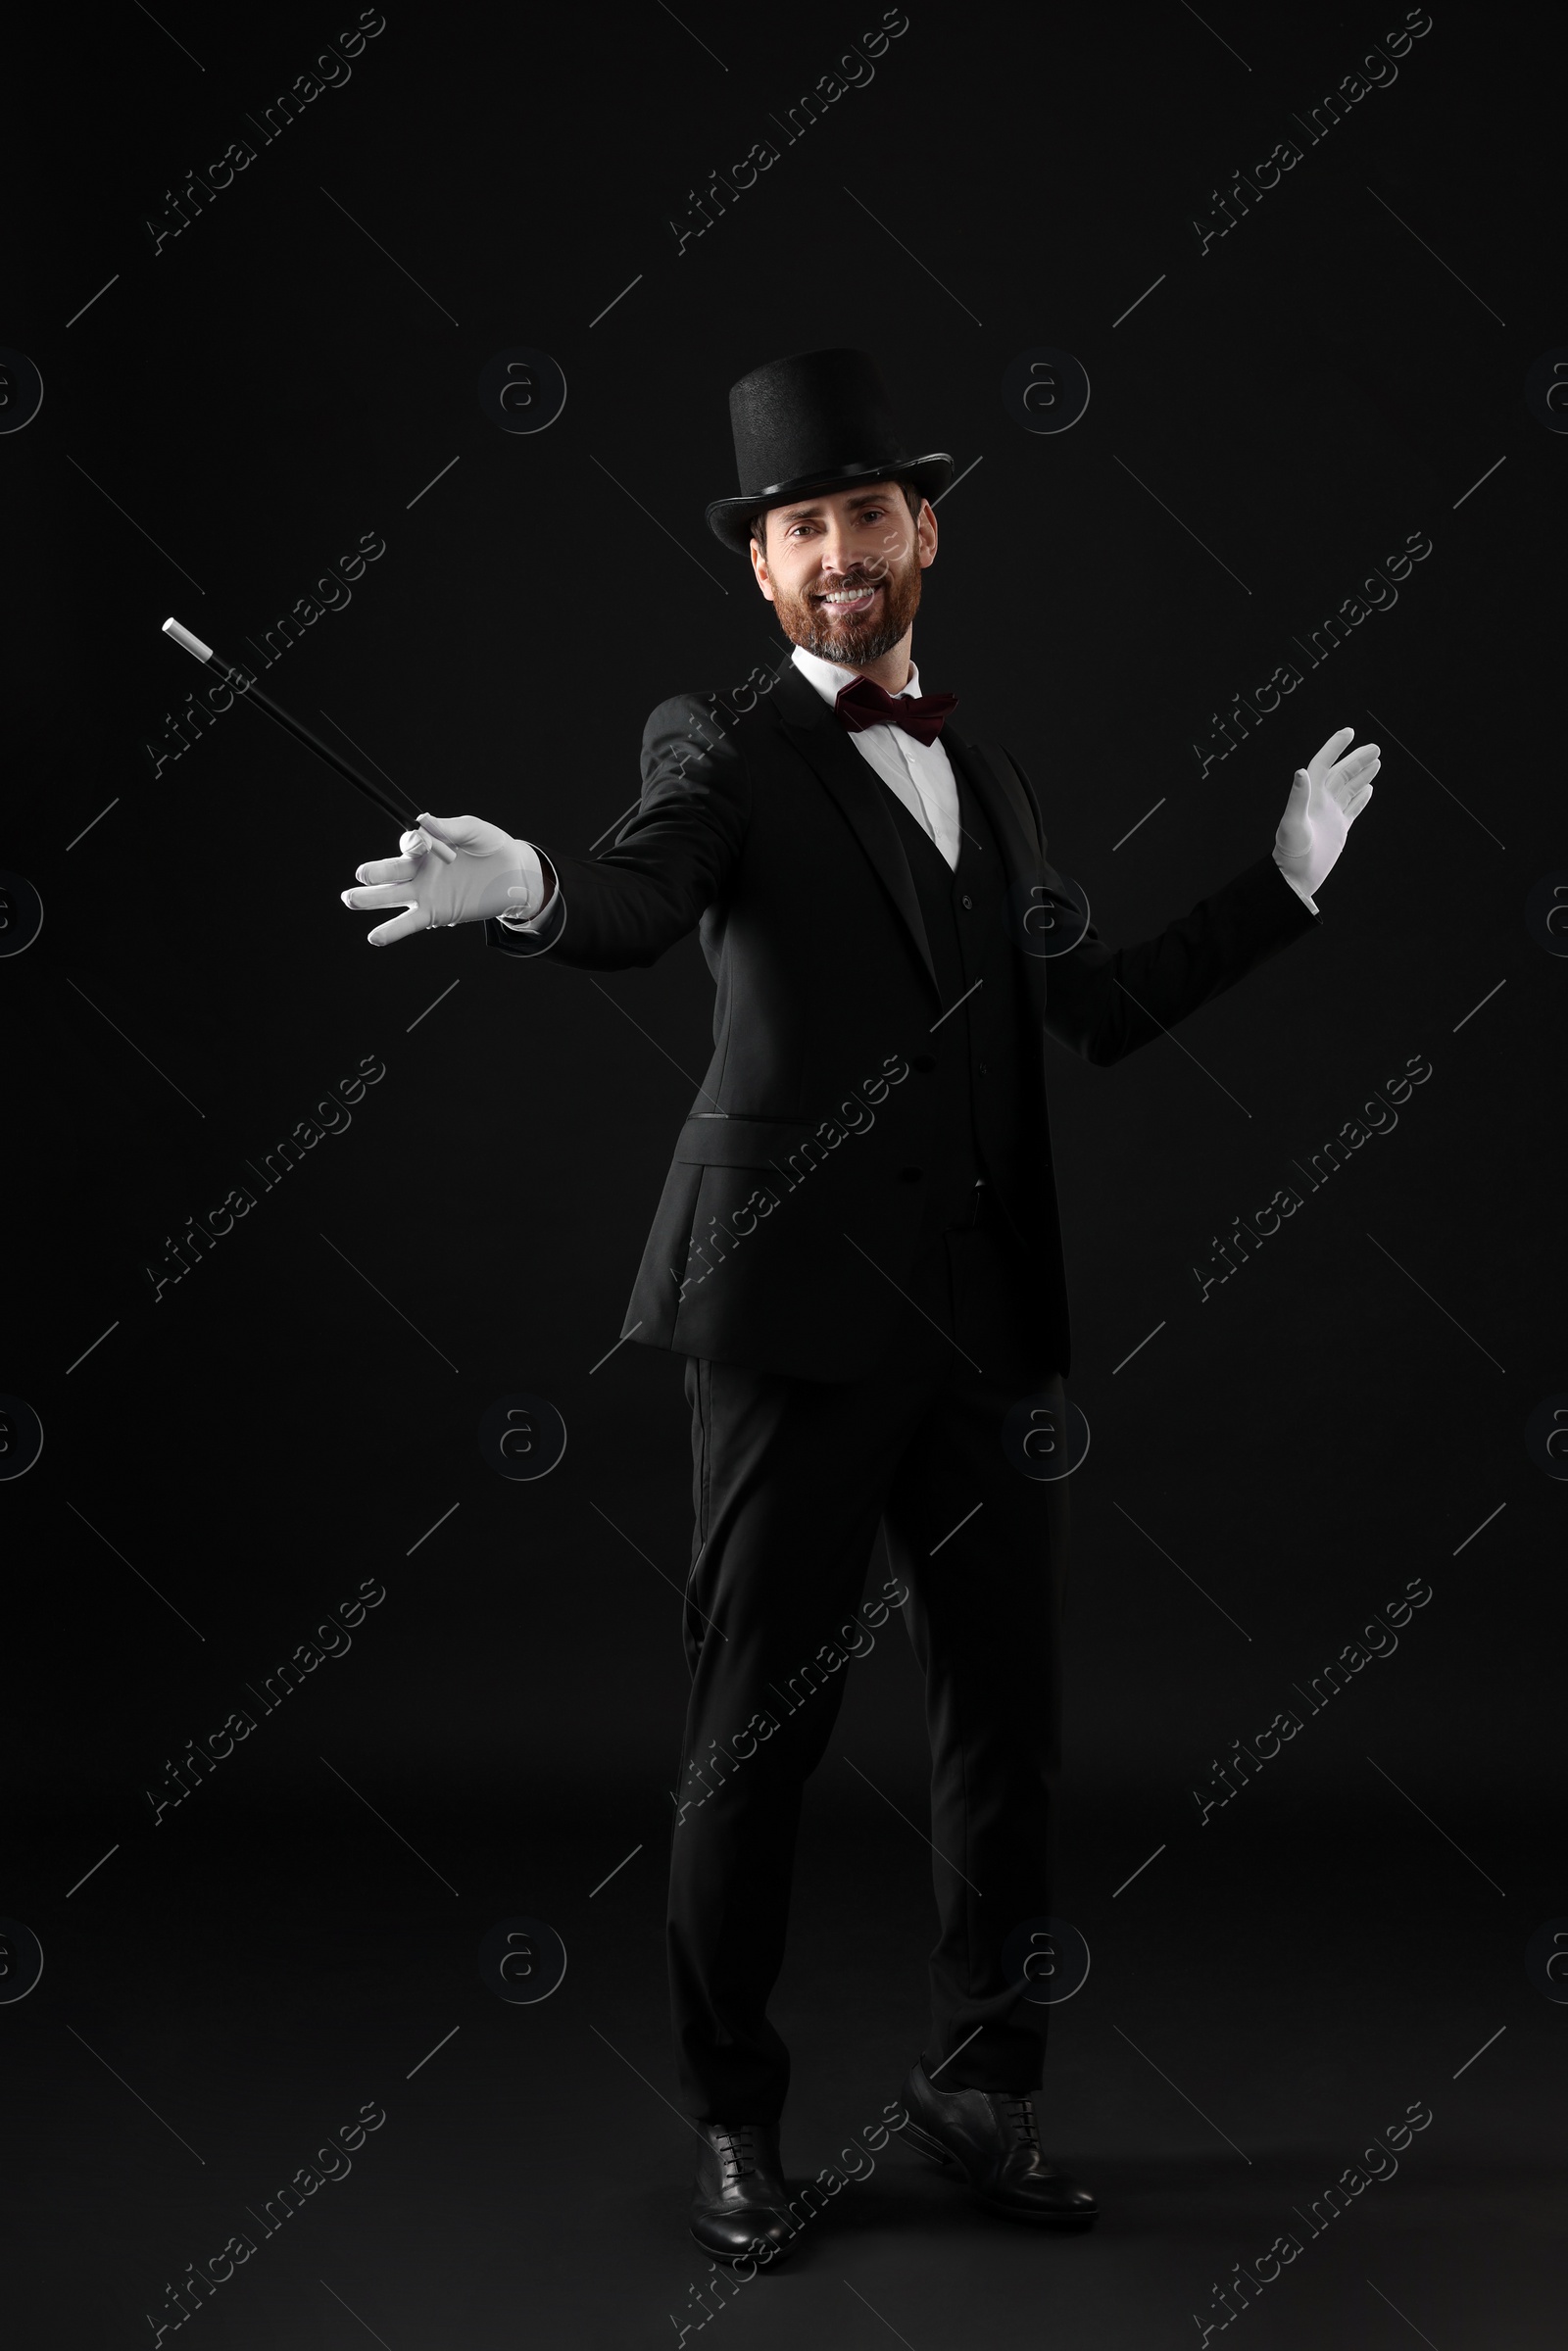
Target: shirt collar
(830,679)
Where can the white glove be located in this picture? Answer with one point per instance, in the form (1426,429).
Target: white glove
(452,870)
(1325,802)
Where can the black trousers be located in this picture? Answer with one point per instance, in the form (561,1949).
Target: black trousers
(791,1478)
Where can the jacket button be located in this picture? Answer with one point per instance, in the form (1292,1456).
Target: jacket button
(925,1063)
(910,1175)
(983,1069)
(967,902)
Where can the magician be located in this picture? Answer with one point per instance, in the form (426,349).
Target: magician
(858,1253)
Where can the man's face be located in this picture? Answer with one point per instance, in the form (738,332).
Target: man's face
(843,570)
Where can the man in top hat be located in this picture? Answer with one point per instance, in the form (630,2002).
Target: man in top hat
(857,1251)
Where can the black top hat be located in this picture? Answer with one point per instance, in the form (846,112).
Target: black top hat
(817,420)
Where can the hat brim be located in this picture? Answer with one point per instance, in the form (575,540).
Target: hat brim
(730,518)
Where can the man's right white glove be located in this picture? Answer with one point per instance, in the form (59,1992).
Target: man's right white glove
(474,872)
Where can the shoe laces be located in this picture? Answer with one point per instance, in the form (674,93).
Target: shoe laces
(736,2152)
(1020,2113)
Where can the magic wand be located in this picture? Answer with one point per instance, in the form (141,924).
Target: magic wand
(243,683)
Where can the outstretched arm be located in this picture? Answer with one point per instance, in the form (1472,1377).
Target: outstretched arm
(1104,1001)
(669,861)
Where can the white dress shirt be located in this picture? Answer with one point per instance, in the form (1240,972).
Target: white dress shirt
(919,773)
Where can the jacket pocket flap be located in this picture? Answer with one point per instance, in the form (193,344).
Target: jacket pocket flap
(740,1141)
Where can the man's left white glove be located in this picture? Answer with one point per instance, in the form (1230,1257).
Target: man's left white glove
(1326,798)
(452,870)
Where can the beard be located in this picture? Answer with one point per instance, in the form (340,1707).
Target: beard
(861,637)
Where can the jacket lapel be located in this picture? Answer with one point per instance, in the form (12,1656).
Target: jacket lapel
(993,785)
(1002,795)
(863,797)
(859,793)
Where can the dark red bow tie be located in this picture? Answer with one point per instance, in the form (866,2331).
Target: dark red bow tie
(865,704)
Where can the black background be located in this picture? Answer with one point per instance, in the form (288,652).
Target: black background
(1269,422)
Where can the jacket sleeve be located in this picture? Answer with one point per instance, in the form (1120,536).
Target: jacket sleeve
(668,862)
(1104,1001)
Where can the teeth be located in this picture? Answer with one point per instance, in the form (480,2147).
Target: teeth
(845,595)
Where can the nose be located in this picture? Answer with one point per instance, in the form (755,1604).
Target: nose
(841,556)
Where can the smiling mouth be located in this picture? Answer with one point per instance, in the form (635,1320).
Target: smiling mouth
(847,603)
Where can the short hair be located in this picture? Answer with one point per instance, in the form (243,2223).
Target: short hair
(913,498)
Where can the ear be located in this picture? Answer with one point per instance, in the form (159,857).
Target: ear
(926,534)
(759,570)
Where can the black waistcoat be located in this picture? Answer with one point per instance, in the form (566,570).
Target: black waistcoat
(983,1032)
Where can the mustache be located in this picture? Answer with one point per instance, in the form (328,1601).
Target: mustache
(846,587)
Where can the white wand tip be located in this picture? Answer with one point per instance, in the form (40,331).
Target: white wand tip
(192,644)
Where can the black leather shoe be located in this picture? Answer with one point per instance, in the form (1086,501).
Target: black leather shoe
(739,2205)
(988,2138)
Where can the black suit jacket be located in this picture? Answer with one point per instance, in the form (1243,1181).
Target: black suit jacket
(790,1213)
